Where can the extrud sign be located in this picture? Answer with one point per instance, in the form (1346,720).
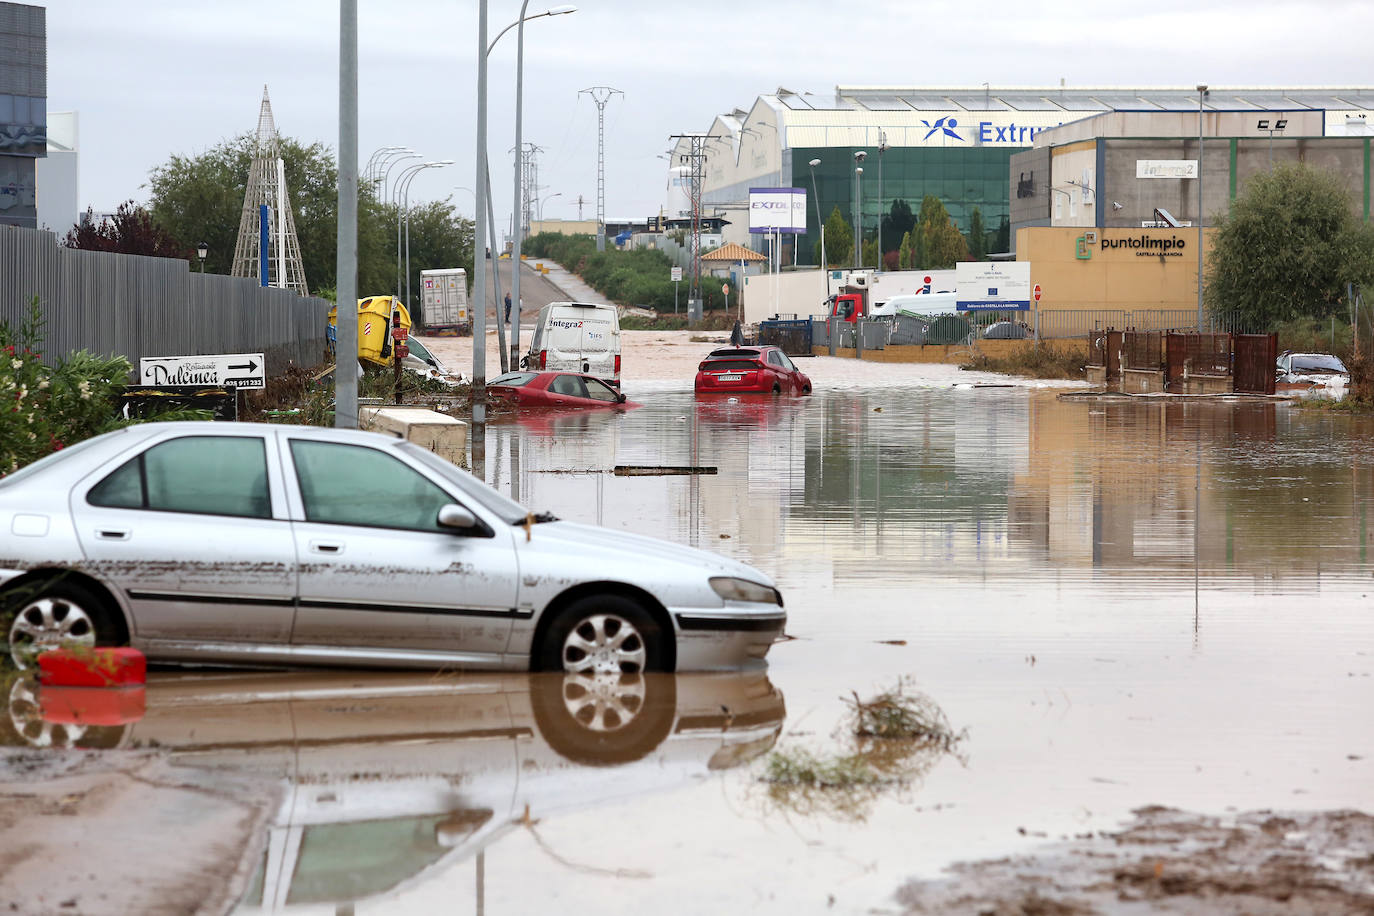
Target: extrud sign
(777,210)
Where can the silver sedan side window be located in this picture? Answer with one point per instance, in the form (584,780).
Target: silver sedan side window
(209,475)
(357,485)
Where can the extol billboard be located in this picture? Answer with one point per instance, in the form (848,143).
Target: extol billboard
(777,210)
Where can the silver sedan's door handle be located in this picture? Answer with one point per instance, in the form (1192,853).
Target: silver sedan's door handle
(113,534)
(332,547)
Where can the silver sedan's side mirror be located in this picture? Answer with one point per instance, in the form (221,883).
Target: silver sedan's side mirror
(455,516)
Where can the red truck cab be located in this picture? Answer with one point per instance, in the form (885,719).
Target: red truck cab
(849,307)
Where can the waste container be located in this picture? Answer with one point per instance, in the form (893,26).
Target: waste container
(374,326)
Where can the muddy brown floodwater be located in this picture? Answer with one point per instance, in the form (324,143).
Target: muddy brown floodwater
(1136,639)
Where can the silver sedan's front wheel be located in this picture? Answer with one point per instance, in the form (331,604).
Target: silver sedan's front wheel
(52,616)
(604,634)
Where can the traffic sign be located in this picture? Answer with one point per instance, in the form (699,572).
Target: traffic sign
(238,370)
(677,274)
(725,289)
(1037,292)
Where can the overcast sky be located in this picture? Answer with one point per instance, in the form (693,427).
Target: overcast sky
(151,78)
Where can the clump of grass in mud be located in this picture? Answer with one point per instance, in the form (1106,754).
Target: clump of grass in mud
(1046,361)
(890,742)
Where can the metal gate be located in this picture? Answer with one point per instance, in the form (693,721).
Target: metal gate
(792,337)
(1255,356)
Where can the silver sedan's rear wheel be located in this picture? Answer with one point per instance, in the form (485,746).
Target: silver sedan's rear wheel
(604,634)
(52,615)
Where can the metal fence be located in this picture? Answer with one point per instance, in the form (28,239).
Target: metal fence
(139,306)
(792,336)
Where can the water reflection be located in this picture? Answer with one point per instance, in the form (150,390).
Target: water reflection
(901,482)
(390,778)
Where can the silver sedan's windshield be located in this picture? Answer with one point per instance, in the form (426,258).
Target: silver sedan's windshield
(509,510)
(1317,362)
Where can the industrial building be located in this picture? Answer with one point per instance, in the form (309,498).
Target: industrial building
(1107,208)
(23,110)
(958,144)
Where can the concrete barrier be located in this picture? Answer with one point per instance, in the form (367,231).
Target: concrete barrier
(441,434)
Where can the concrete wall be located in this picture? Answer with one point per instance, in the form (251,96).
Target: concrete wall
(955,354)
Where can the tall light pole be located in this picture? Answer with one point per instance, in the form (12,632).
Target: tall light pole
(859,157)
(396,201)
(518,197)
(386,176)
(1201,94)
(546,199)
(820,227)
(882,148)
(378,156)
(346,245)
(384,162)
(479,243)
(406,209)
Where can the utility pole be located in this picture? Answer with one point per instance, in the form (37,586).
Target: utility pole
(695,160)
(580,201)
(601,95)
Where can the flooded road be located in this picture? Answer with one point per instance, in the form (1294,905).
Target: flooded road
(1039,568)
(1104,605)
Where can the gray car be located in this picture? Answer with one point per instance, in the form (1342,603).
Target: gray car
(260,544)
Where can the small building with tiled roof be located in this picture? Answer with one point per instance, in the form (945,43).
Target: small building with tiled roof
(728,260)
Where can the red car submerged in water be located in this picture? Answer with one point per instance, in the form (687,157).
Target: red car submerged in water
(555,389)
(735,369)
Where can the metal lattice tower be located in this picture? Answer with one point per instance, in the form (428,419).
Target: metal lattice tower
(529,183)
(267,187)
(601,95)
(695,160)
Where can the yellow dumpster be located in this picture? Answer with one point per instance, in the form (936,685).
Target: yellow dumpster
(374,326)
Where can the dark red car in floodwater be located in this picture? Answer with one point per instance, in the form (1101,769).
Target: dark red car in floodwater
(736,369)
(555,389)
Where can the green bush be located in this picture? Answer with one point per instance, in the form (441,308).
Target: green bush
(46,408)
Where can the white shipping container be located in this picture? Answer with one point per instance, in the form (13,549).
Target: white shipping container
(444,294)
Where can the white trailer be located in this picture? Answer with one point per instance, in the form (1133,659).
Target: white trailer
(444,295)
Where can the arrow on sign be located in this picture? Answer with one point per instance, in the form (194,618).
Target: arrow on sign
(249,366)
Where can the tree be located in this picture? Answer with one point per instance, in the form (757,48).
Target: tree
(904,252)
(1286,249)
(200,199)
(896,224)
(941,244)
(132,230)
(839,240)
(977,236)
(870,253)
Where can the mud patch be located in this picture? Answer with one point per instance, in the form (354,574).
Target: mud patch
(1259,863)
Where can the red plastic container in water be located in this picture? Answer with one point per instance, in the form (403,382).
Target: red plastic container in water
(92,667)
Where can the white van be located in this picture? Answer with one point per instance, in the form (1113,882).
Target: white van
(577,337)
(924,304)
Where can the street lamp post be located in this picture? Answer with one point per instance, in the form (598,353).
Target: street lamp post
(396,201)
(1201,94)
(386,176)
(202,249)
(518,197)
(820,227)
(405,190)
(545,200)
(882,148)
(379,157)
(859,157)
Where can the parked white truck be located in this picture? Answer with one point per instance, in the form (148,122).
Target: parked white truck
(444,295)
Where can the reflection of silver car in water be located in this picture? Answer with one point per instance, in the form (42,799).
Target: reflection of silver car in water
(390,777)
(260,544)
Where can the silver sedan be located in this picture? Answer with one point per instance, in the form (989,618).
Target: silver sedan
(260,544)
